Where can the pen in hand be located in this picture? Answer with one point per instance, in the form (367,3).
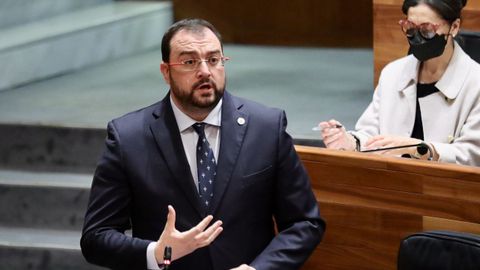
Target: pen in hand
(317,128)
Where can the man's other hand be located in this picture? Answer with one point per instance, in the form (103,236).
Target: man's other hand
(243,267)
(184,243)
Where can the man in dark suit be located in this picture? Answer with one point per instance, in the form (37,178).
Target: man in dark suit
(170,168)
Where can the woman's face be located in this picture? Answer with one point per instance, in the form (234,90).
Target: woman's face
(423,14)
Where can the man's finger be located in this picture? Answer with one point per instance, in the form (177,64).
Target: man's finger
(206,241)
(214,235)
(243,267)
(171,218)
(200,227)
(209,231)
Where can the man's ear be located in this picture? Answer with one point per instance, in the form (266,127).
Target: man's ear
(165,70)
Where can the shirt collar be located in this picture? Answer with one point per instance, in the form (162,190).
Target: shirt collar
(184,121)
(454,77)
(451,81)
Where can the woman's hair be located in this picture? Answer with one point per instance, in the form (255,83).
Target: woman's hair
(449,10)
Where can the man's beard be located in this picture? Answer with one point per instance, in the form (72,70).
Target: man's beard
(190,101)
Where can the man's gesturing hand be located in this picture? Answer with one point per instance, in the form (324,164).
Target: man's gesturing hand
(243,267)
(184,243)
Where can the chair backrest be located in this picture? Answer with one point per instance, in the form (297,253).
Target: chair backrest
(439,250)
(470,42)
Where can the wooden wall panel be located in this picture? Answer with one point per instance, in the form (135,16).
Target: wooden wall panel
(339,23)
(434,223)
(336,174)
(389,43)
(336,257)
(367,228)
(420,204)
(371,202)
(452,188)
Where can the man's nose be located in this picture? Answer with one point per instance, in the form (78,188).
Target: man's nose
(204,69)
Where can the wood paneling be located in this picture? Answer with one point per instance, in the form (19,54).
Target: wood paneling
(338,257)
(339,23)
(389,43)
(434,223)
(371,202)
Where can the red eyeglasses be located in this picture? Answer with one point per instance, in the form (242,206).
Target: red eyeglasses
(426,30)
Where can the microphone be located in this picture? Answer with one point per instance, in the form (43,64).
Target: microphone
(167,257)
(422,149)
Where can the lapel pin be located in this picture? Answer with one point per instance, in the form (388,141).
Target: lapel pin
(241,121)
(450,139)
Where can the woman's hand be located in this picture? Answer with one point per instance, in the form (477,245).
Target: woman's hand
(383,141)
(335,136)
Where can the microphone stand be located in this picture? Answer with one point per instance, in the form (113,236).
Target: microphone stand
(422,149)
(167,257)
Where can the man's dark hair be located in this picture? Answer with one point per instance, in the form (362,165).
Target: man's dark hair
(193,25)
(449,10)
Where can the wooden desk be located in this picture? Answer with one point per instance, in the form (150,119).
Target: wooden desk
(371,202)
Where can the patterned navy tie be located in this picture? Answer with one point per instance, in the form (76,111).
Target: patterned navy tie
(206,165)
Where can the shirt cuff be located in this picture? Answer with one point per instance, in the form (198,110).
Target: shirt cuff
(445,152)
(360,139)
(151,260)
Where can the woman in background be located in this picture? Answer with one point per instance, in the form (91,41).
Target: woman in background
(430,96)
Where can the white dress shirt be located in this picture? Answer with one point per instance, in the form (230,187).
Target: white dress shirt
(189,140)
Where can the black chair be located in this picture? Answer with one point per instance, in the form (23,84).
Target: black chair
(470,42)
(439,250)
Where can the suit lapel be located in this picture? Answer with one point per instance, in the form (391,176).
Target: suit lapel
(165,131)
(232,134)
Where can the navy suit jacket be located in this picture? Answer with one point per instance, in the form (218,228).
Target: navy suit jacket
(260,183)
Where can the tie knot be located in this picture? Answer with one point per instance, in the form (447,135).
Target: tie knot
(199,128)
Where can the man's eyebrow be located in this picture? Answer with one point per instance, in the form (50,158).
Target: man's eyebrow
(187,52)
(196,53)
(214,52)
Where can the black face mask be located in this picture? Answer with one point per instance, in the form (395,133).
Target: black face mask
(424,49)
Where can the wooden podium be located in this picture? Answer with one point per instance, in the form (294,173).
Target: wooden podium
(371,202)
